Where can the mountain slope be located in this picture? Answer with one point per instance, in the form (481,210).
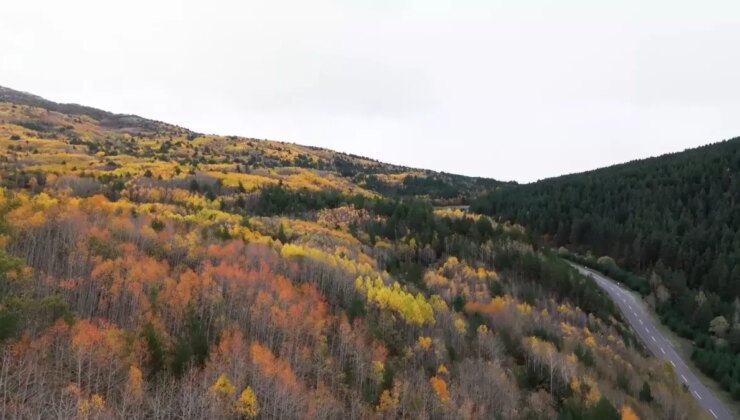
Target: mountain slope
(673,218)
(147,271)
(165,147)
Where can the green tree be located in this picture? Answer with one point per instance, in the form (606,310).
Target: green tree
(645,393)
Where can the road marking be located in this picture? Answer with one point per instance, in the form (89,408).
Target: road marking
(620,294)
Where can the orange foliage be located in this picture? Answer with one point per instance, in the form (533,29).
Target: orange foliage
(231,343)
(102,341)
(628,414)
(271,366)
(440,388)
(495,306)
(134,386)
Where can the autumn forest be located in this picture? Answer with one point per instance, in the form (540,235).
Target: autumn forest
(148,271)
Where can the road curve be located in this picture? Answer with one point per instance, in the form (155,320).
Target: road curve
(636,314)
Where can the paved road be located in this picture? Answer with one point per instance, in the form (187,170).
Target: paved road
(637,315)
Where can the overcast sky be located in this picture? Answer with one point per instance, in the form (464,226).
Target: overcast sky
(513,90)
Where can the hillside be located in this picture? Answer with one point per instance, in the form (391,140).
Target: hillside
(147,271)
(673,219)
(98,141)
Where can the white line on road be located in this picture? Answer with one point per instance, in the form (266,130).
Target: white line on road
(618,293)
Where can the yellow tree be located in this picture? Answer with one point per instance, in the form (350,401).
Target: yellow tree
(222,387)
(246,406)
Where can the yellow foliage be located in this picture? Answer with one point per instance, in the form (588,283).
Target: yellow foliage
(388,401)
(246,405)
(590,341)
(588,389)
(381,244)
(351,267)
(564,309)
(575,385)
(456,213)
(222,387)
(567,328)
(572,358)
(31,212)
(450,264)
(438,304)
(412,309)
(442,370)
(432,279)
(460,325)
(378,370)
(541,347)
(524,308)
(424,342)
(250,182)
(594,395)
(90,407)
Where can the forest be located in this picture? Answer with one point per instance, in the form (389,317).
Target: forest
(147,271)
(670,227)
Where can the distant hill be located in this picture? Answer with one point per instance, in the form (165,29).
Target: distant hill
(674,219)
(167,146)
(105,118)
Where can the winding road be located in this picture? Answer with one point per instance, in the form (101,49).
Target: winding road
(637,315)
